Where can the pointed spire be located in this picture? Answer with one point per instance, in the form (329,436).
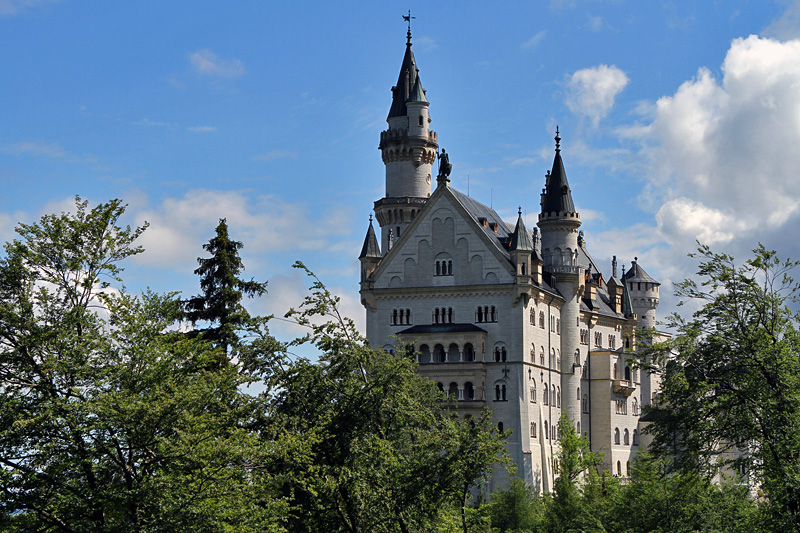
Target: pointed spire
(627,304)
(405,82)
(371,249)
(417,93)
(521,239)
(557,196)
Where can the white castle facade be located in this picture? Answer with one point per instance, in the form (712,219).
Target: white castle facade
(520,321)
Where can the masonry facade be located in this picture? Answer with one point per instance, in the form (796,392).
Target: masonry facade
(519,321)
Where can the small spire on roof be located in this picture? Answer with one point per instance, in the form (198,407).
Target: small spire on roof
(519,210)
(558,140)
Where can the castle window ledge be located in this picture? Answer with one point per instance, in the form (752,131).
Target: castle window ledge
(623,386)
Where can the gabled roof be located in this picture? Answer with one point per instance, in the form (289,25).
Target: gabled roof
(371,248)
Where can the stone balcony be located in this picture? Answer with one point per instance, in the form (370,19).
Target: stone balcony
(623,386)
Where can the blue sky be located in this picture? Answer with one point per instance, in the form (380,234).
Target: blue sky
(680,121)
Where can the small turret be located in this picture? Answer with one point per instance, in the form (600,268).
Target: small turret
(643,292)
(370,255)
(521,247)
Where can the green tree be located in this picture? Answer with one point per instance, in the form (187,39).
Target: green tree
(568,510)
(106,423)
(362,443)
(516,508)
(220,303)
(731,386)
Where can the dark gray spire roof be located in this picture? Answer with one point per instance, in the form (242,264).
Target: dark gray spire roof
(417,93)
(371,249)
(627,304)
(557,196)
(521,239)
(637,273)
(405,83)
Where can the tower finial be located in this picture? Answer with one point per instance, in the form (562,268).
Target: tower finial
(408,18)
(370,219)
(558,141)
(519,210)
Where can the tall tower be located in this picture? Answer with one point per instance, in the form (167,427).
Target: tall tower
(644,294)
(559,224)
(408,148)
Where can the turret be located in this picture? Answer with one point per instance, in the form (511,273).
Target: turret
(643,291)
(370,255)
(559,223)
(408,148)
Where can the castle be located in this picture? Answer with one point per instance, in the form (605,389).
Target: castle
(520,321)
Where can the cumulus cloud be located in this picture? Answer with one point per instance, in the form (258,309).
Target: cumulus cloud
(207,63)
(591,92)
(731,144)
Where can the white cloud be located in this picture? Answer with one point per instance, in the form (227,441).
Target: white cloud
(207,63)
(591,92)
(202,129)
(534,41)
(275,154)
(35,149)
(683,219)
(153,123)
(787,26)
(732,145)
(15,7)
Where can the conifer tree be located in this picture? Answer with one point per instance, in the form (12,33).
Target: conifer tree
(220,303)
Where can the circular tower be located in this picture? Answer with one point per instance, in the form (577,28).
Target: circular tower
(644,294)
(559,223)
(408,149)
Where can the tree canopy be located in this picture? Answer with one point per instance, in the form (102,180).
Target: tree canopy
(730,399)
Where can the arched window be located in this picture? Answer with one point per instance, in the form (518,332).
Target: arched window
(497,392)
(578,357)
(452,391)
(626,438)
(616,435)
(503,353)
(533,392)
(533,316)
(579,428)
(441,387)
(635,437)
(558,326)
(394,317)
(578,396)
(533,430)
(541,319)
(546,433)
(585,403)
(479,314)
(546,396)
(503,390)
(469,352)
(628,469)
(627,373)
(619,469)
(438,354)
(443,263)
(616,374)
(425,354)
(493,314)
(558,397)
(553,358)
(469,391)
(635,407)
(553,395)
(541,356)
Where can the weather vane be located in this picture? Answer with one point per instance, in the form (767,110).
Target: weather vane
(408,18)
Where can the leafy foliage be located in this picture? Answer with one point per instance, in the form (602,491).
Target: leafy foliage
(731,389)
(106,424)
(373,449)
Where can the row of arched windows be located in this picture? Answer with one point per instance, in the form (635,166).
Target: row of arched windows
(458,392)
(453,354)
(443,315)
(553,431)
(486,313)
(401,317)
(626,440)
(444,267)
(396,215)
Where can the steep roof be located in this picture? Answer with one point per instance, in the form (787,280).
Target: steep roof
(417,93)
(371,247)
(521,239)
(637,273)
(557,196)
(405,83)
